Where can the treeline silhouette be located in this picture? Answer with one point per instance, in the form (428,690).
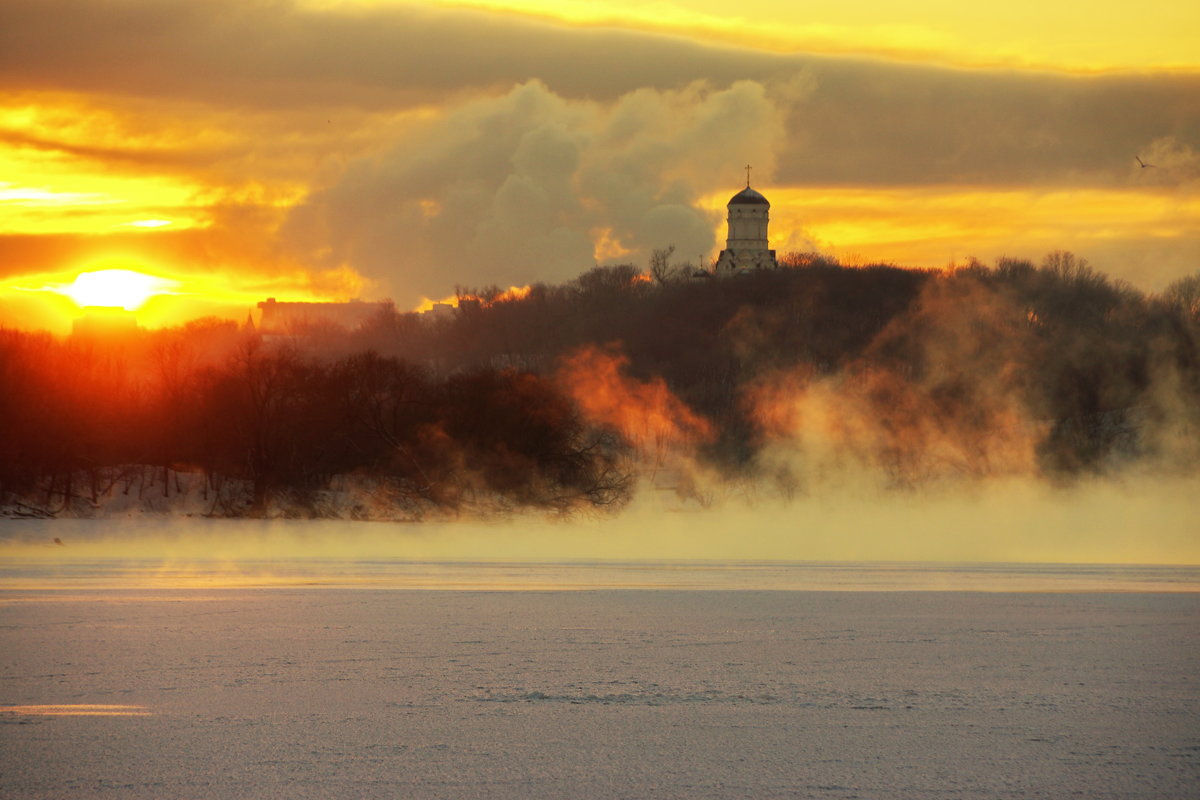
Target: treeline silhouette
(1104,370)
(76,416)
(930,372)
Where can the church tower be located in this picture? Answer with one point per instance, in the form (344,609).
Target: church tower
(746,246)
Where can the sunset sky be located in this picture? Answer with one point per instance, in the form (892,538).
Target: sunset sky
(331,149)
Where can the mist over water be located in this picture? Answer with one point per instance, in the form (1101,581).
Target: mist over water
(998,537)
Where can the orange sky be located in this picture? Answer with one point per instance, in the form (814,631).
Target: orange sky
(330,149)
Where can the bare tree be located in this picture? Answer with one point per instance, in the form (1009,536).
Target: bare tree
(660,265)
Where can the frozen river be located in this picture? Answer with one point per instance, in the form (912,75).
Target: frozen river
(326,679)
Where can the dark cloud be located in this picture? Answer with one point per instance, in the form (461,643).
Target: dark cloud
(272,53)
(895,124)
(858,121)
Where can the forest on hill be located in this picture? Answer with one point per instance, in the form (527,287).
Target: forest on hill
(569,396)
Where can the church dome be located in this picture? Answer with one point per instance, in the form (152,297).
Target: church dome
(748,197)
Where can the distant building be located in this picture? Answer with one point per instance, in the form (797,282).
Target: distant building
(440,311)
(284,318)
(746,247)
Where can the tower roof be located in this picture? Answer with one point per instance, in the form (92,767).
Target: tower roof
(748,196)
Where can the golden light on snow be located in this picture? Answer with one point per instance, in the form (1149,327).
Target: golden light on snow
(77,710)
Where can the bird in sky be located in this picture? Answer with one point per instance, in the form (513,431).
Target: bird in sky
(1141,163)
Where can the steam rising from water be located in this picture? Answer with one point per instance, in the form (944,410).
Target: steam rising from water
(999,521)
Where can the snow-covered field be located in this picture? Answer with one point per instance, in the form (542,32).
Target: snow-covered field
(360,692)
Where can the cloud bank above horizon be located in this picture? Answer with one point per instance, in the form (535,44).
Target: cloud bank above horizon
(397,149)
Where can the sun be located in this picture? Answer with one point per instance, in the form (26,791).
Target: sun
(115,288)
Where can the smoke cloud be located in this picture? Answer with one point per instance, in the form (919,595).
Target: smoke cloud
(537,187)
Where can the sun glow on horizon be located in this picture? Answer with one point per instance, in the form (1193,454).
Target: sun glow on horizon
(161,296)
(113,288)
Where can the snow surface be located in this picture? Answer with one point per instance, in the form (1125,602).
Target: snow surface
(364,693)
